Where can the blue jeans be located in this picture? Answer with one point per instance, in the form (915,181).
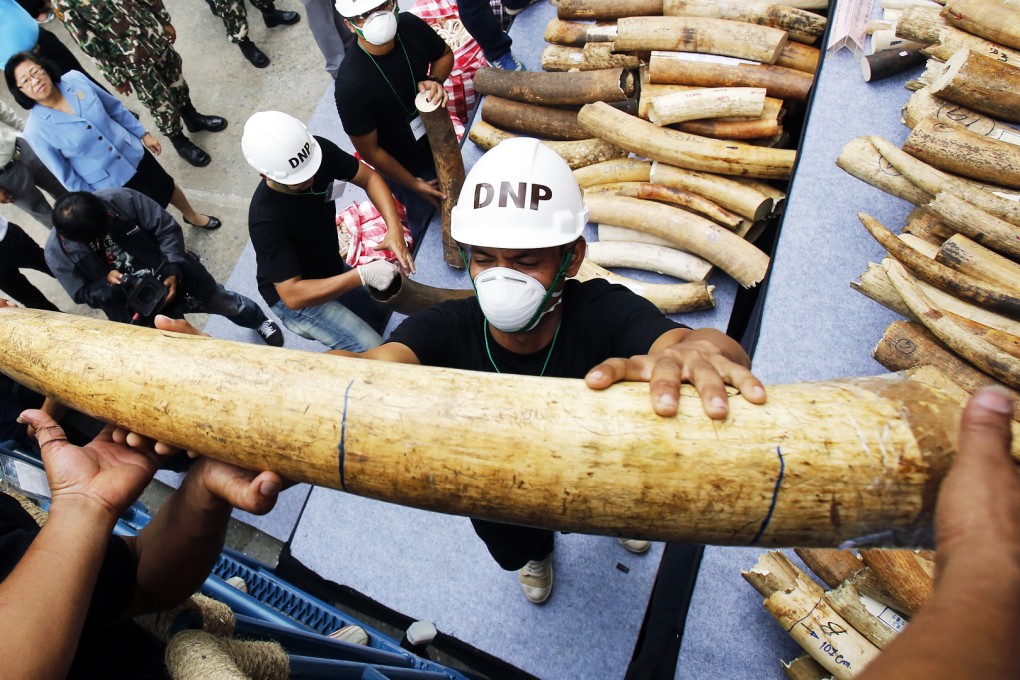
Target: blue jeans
(240,309)
(330,323)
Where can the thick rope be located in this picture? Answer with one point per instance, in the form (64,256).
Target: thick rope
(197,612)
(197,655)
(30,506)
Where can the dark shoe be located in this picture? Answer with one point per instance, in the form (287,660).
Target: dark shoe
(276,17)
(271,333)
(214,223)
(189,152)
(253,54)
(195,121)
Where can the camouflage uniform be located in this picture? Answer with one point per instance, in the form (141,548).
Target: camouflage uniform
(234,16)
(127,40)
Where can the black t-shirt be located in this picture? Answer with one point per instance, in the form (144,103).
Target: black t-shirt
(366,102)
(108,648)
(295,234)
(600,321)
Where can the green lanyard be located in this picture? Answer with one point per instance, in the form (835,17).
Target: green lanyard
(409,70)
(488,352)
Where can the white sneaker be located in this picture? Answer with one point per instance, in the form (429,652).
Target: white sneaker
(634,545)
(536,579)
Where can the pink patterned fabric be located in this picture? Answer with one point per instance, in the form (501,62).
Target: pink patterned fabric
(361,228)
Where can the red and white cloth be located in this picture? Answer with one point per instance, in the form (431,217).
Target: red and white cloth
(361,228)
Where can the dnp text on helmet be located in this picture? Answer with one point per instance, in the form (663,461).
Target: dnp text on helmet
(302,155)
(532,193)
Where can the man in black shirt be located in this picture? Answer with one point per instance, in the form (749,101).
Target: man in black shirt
(71,579)
(521,214)
(292,224)
(397,56)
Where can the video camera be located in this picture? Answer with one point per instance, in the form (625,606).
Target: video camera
(146,293)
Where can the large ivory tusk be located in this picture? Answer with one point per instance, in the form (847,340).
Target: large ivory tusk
(799,57)
(832,566)
(616,170)
(875,284)
(556,89)
(994,20)
(986,229)
(960,285)
(779,82)
(981,353)
(981,83)
(924,25)
(672,196)
(973,259)
(607,9)
(687,231)
(799,605)
(923,105)
(591,57)
(695,34)
(449,168)
(708,102)
(849,603)
(407,296)
(744,200)
(954,148)
(462,442)
(610,232)
(800,25)
(904,577)
(567,33)
(538,121)
(577,153)
(907,344)
(931,181)
(684,149)
(668,298)
(861,159)
(644,256)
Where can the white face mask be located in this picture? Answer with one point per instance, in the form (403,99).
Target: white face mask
(510,299)
(380,27)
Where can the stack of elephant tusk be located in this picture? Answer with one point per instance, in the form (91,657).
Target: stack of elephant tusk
(670,113)
(956,271)
(868,598)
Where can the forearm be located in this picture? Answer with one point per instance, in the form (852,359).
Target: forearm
(441,68)
(310,292)
(387,165)
(379,193)
(178,548)
(49,591)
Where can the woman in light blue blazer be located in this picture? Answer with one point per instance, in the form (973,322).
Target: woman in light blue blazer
(88,139)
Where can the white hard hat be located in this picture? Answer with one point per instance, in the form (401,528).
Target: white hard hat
(353,8)
(280,147)
(520,194)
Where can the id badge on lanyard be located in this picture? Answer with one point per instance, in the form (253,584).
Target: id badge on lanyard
(417,126)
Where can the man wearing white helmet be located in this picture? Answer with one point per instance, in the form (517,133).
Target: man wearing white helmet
(398,56)
(292,224)
(521,215)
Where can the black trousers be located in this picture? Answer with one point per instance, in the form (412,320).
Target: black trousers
(19,251)
(513,546)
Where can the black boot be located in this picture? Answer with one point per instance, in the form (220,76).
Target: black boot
(253,54)
(195,121)
(189,152)
(276,17)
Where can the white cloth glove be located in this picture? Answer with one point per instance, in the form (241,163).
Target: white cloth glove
(378,274)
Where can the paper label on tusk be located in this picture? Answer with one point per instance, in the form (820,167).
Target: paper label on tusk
(1007,136)
(697,56)
(576,56)
(886,615)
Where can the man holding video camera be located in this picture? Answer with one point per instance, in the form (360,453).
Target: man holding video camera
(120,251)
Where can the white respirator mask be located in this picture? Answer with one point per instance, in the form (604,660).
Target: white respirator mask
(380,27)
(511,301)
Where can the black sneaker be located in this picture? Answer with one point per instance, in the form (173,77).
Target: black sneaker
(271,333)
